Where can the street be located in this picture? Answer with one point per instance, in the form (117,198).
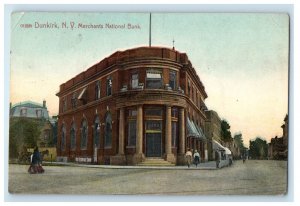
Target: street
(255,177)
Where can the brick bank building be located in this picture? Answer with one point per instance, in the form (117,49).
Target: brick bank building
(135,105)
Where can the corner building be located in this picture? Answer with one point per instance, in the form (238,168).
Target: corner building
(134,105)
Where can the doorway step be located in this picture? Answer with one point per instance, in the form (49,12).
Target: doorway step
(156,162)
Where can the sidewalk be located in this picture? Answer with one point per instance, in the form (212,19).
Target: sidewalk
(211,165)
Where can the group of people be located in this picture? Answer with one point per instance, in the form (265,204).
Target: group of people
(35,162)
(190,157)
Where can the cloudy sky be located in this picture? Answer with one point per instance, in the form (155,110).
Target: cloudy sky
(242,59)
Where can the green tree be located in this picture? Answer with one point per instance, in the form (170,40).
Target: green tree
(225,131)
(258,149)
(238,138)
(22,133)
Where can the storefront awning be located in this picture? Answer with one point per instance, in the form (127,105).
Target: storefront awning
(218,146)
(193,130)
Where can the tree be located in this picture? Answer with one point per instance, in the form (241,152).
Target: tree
(239,141)
(22,133)
(225,131)
(258,149)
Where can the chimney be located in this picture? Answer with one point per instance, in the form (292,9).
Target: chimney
(44,103)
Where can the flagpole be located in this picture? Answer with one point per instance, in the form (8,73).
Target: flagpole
(150,31)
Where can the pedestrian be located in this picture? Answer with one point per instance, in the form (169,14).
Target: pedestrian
(35,166)
(188,156)
(217,157)
(244,158)
(196,158)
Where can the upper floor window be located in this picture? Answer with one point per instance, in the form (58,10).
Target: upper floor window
(134,80)
(172,79)
(97,90)
(64,105)
(153,112)
(108,86)
(23,112)
(38,113)
(154,79)
(74,100)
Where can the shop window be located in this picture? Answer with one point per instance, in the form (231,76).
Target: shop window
(108,130)
(174,134)
(132,113)
(172,79)
(154,79)
(84,134)
(132,133)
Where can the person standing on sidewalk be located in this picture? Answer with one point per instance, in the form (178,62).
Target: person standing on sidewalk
(196,158)
(188,156)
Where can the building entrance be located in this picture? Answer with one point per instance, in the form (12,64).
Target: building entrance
(153,138)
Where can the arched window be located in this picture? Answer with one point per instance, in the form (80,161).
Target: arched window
(97,128)
(73,137)
(108,130)
(108,86)
(97,90)
(63,138)
(84,132)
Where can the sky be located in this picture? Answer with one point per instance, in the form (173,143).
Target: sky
(241,58)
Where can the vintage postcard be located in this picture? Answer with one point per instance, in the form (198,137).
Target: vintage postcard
(148,103)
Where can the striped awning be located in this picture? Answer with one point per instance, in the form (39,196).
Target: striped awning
(194,130)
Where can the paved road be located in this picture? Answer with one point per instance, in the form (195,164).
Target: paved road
(252,178)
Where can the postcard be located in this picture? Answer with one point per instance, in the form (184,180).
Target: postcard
(148,103)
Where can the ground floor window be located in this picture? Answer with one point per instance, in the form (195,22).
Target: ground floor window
(132,133)
(174,134)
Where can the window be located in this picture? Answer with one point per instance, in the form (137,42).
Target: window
(108,86)
(172,79)
(132,112)
(63,138)
(132,133)
(174,112)
(23,112)
(74,100)
(84,134)
(134,81)
(38,113)
(98,90)
(154,79)
(97,129)
(64,105)
(189,87)
(108,130)
(153,112)
(73,137)
(174,134)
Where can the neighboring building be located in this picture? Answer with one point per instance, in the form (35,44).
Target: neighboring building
(38,113)
(212,131)
(29,109)
(141,103)
(278,147)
